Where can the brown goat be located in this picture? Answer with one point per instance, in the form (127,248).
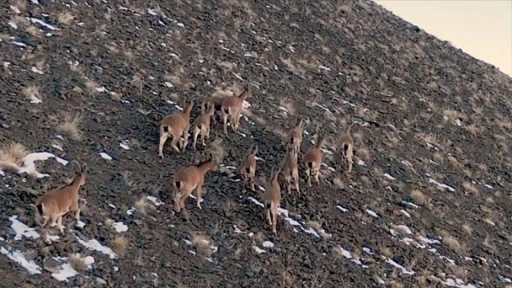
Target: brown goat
(294,138)
(313,159)
(187,179)
(290,168)
(347,146)
(175,125)
(202,123)
(248,166)
(271,199)
(53,205)
(231,106)
(216,102)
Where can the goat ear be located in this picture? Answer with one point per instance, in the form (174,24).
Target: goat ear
(84,168)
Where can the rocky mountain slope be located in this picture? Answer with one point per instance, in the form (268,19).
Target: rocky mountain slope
(427,203)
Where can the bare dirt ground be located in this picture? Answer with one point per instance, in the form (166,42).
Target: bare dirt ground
(427,204)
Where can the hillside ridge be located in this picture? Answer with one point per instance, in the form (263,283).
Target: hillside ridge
(425,205)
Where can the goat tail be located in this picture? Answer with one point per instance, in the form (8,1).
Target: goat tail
(39,208)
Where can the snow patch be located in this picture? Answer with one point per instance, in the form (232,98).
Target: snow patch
(22,230)
(372,213)
(35,100)
(29,166)
(258,249)
(155,200)
(125,144)
(443,186)
(42,23)
(268,244)
(35,70)
(94,244)
(404,270)
(341,208)
(80,224)
(19,258)
(67,271)
(120,227)
(389,176)
(105,156)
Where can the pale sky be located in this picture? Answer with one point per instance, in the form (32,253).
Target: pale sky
(482,28)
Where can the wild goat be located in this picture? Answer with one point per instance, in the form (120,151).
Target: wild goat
(175,125)
(313,159)
(347,146)
(272,198)
(248,166)
(290,168)
(294,139)
(202,123)
(216,102)
(187,179)
(231,106)
(53,205)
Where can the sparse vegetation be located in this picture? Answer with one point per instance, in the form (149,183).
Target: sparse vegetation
(70,126)
(77,262)
(202,245)
(119,244)
(32,93)
(418,197)
(11,156)
(426,202)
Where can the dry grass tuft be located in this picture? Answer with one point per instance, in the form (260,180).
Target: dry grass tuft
(317,226)
(488,243)
(127,179)
(11,156)
(77,262)
(438,158)
(257,119)
(92,86)
(65,17)
(259,237)
(451,242)
(20,21)
(312,102)
(18,6)
(454,162)
(471,188)
(228,207)
(142,205)
(202,245)
(288,63)
(337,252)
(363,153)
(69,126)
(119,244)
(338,181)
(109,223)
(222,91)
(386,251)
(217,150)
(467,228)
(419,197)
(32,93)
(286,104)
